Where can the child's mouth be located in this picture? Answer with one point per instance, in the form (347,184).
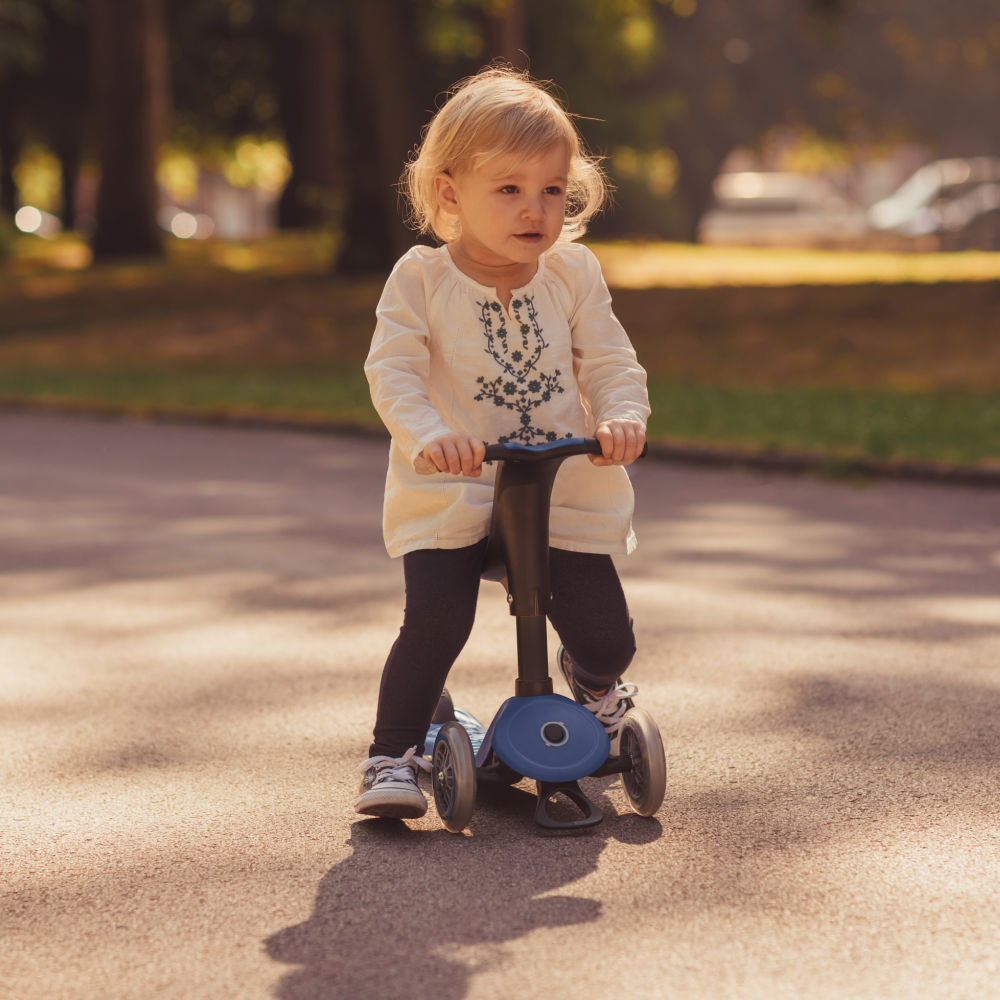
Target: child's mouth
(528,237)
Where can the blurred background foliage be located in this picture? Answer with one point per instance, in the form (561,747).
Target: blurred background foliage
(109,108)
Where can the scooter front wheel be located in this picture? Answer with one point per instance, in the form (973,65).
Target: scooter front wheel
(645,781)
(454,777)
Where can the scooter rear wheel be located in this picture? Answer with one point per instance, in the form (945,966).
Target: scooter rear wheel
(454,777)
(646,781)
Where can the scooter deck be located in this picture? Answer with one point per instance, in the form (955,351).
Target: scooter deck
(544,737)
(548,738)
(475,729)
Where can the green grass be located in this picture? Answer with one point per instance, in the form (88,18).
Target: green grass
(323,395)
(952,428)
(946,427)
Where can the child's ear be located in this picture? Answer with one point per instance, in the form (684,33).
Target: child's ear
(447,196)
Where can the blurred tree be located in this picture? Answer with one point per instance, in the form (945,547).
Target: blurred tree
(129,62)
(918,69)
(221,70)
(338,80)
(678,85)
(601,57)
(735,69)
(506,31)
(873,73)
(385,99)
(681,83)
(11,139)
(309,73)
(44,89)
(282,65)
(20,56)
(60,98)
(668,89)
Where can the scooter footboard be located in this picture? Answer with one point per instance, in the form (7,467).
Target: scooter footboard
(546,737)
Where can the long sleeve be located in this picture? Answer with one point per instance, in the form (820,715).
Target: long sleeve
(610,376)
(398,363)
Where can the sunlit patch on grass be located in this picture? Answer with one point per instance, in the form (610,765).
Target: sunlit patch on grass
(284,253)
(626,264)
(681,265)
(64,252)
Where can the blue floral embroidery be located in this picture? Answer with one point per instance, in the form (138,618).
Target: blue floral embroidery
(522,387)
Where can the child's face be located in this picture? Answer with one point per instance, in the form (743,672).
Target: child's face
(511,210)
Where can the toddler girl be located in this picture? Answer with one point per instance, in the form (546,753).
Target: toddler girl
(503,333)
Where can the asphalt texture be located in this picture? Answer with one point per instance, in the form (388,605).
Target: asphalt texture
(192,628)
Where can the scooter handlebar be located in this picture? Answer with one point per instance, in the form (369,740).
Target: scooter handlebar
(512,451)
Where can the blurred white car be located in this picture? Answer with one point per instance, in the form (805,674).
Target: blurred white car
(956,199)
(769,207)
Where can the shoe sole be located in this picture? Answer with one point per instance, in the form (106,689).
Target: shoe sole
(390,806)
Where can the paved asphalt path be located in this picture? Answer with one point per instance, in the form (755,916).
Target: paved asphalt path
(192,626)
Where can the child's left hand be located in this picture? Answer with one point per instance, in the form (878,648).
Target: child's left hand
(621,442)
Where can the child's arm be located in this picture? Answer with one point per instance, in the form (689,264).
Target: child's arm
(611,380)
(398,367)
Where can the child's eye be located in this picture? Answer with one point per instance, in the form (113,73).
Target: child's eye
(509,189)
(554,189)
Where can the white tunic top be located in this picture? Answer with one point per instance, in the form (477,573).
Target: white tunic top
(446,356)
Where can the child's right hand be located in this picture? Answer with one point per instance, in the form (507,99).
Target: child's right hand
(459,454)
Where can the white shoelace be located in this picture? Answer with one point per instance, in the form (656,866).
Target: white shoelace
(610,708)
(397,768)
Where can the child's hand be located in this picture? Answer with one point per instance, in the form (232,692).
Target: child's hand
(621,442)
(458,454)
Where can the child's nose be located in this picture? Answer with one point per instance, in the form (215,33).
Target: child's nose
(533,208)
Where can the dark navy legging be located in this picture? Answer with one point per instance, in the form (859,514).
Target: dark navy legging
(588,612)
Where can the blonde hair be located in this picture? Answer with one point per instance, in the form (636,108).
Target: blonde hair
(497,112)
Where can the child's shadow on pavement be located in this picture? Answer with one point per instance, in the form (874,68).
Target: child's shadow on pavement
(418,912)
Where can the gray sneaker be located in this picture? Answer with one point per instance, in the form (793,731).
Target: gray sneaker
(389,786)
(608,708)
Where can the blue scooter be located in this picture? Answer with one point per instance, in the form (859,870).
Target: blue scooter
(536,734)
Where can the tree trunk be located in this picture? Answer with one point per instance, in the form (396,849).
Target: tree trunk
(310,72)
(700,164)
(10,151)
(715,116)
(505,33)
(129,65)
(68,150)
(385,122)
(64,98)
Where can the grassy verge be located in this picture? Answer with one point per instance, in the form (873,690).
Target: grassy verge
(876,425)
(318,395)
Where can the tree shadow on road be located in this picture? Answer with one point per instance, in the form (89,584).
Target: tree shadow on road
(892,561)
(418,912)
